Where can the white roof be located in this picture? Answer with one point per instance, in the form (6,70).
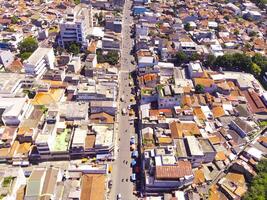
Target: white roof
(158,161)
(12,106)
(216,47)
(206,111)
(38,55)
(97,31)
(256,153)
(104,135)
(196,66)
(165,64)
(194,146)
(79,137)
(212,24)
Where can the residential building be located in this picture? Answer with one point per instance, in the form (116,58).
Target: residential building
(40,60)
(74,27)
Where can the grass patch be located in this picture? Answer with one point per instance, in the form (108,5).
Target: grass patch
(7,181)
(263,123)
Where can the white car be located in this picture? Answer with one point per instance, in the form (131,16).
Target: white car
(119,196)
(124,111)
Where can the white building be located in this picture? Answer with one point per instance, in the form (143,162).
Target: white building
(195,70)
(78,141)
(45,140)
(74,27)
(13,110)
(39,61)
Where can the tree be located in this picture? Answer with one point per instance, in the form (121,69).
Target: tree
(77,2)
(112,57)
(255,69)
(25,55)
(261,61)
(209,62)
(29,44)
(200,88)
(187,27)
(225,61)
(257,188)
(242,61)
(236,32)
(195,56)
(181,57)
(14,19)
(74,48)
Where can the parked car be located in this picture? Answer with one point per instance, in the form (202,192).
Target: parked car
(119,196)
(123,111)
(133,177)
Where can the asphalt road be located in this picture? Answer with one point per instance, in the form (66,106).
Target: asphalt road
(121,168)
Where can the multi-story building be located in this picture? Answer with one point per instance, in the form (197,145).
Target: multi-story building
(41,59)
(74,27)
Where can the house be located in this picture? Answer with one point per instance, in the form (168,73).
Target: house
(195,70)
(233,185)
(13,110)
(6,58)
(91,61)
(40,60)
(92,187)
(145,58)
(208,84)
(182,129)
(241,127)
(42,183)
(109,107)
(12,180)
(74,64)
(194,151)
(168,96)
(101,118)
(104,141)
(45,140)
(78,141)
(208,150)
(169,177)
(234,8)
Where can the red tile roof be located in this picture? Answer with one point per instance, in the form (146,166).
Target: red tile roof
(182,169)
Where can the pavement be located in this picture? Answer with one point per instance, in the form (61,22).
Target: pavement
(121,167)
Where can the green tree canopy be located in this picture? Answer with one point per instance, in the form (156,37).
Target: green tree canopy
(25,55)
(209,62)
(74,48)
(181,57)
(112,57)
(257,188)
(200,88)
(14,19)
(29,44)
(255,69)
(187,27)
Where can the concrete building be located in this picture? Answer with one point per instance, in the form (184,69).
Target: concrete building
(74,27)
(12,110)
(194,151)
(41,59)
(6,58)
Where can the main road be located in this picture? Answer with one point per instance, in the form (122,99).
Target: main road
(121,168)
